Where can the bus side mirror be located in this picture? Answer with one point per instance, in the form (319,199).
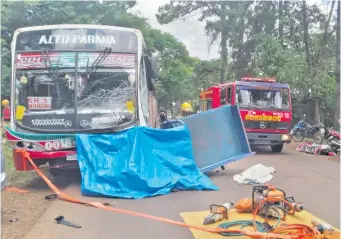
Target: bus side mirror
(153,69)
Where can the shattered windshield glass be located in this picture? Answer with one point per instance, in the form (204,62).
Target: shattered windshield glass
(275,98)
(63,97)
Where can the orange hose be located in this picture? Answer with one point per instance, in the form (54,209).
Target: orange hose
(300,230)
(63,196)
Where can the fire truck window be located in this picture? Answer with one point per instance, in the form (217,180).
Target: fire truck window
(209,104)
(223,97)
(229,95)
(203,105)
(278,98)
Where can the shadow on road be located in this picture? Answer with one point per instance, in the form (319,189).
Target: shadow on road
(61,182)
(266,150)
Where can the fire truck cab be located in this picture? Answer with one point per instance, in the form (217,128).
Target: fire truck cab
(264,105)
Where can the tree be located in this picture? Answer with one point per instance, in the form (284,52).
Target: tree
(337,69)
(180,10)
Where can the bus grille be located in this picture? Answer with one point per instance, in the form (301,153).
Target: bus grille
(269,125)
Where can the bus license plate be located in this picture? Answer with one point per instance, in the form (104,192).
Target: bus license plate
(71,157)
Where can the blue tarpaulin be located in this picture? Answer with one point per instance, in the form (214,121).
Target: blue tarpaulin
(139,162)
(218,137)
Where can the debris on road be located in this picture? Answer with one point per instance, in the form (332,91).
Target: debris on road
(316,149)
(111,204)
(257,174)
(14,219)
(51,196)
(61,220)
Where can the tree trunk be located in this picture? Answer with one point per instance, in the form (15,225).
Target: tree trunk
(337,69)
(306,35)
(223,44)
(280,22)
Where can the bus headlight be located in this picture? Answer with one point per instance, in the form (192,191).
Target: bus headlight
(285,137)
(27,145)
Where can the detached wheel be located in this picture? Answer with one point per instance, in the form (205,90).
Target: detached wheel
(318,138)
(277,148)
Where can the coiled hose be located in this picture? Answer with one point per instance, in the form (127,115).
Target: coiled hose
(242,223)
(245,223)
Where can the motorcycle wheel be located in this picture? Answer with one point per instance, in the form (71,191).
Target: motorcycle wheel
(298,136)
(318,138)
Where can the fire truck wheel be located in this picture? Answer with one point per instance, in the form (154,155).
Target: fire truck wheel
(277,148)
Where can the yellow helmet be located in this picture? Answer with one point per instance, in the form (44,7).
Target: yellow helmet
(186,107)
(5,102)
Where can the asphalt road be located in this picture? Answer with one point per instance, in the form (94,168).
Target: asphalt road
(313,180)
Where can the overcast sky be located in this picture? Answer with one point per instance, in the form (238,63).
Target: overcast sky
(191,32)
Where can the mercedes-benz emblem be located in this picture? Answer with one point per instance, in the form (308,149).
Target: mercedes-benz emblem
(262,125)
(68,123)
(84,123)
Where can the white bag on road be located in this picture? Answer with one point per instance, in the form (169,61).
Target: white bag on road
(257,174)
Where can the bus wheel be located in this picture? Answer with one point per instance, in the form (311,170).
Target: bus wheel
(277,148)
(57,172)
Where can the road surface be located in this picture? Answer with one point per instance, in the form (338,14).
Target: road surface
(313,180)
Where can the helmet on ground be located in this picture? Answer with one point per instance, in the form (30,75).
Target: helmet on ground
(5,102)
(186,107)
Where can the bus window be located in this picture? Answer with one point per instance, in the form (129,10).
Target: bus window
(209,104)
(229,95)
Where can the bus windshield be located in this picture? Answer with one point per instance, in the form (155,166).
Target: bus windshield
(65,91)
(274,98)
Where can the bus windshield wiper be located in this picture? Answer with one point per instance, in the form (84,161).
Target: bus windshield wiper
(46,58)
(52,71)
(96,62)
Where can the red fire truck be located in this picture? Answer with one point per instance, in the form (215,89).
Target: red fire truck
(265,108)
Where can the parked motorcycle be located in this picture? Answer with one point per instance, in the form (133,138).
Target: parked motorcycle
(167,123)
(302,130)
(332,139)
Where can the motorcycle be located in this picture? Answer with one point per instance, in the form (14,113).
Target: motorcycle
(302,129)
(167,123)
(332,139)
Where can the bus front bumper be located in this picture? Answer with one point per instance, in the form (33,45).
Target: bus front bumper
(54,159)
(268,139)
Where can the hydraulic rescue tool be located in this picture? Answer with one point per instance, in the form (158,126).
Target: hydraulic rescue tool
(217,213)
(275,207)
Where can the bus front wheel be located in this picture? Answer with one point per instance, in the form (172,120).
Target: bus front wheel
(57,172)
(277,148)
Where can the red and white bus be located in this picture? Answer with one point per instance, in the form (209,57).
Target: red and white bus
(69,79)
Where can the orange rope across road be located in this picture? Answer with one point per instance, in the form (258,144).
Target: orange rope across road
(277,233)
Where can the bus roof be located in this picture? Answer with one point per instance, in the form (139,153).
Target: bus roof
(75,26)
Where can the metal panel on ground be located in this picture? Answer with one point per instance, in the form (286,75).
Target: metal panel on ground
(218,137)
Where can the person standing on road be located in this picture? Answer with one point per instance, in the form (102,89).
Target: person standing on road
(6,112)
(186,110)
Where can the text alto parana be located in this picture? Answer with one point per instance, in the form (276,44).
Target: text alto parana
(80,39)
